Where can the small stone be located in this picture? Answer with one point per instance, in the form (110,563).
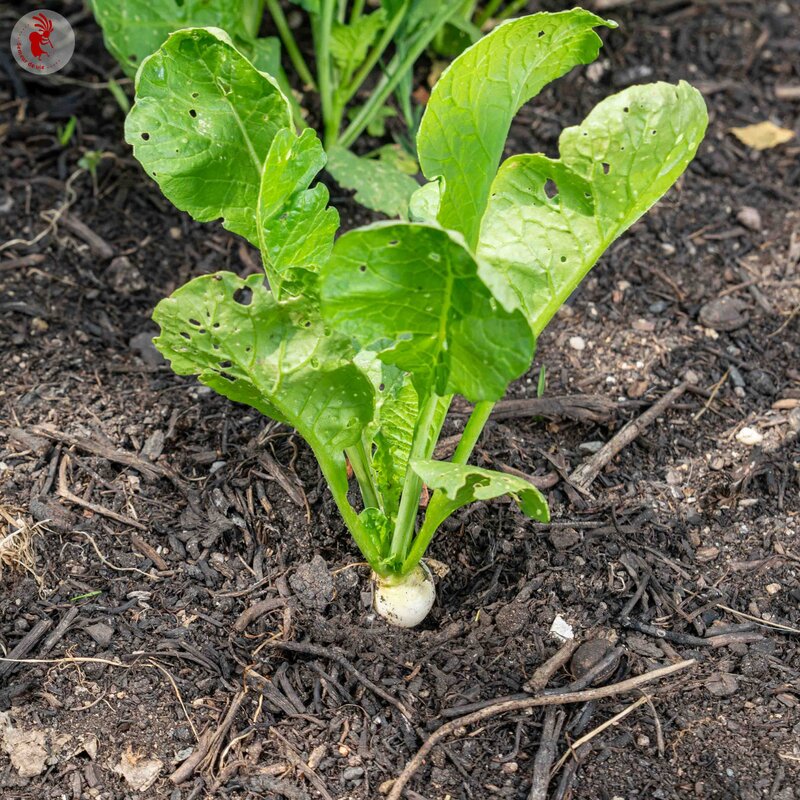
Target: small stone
(717,463)
(644,325)
(722,684)
(577,343)
(313,585)
(561,629)
(176,233)
(101,633)
(344,750)
(642,741)
(39,326)
(749,436)
(564,538)
(750,218)
(510,767)
(353,773)
(724,314)
(139,773)
(588,655)
(142,345)
(590,447)
(708,553)
(690,376)
(659,307)
(773,588)
(124,277)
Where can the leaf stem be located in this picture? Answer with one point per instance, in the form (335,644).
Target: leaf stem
(412,486)
(377,51)
(356,11)
(439,507)
(335,475)
(287,37)
(323,45)
(361,469)
(393,75)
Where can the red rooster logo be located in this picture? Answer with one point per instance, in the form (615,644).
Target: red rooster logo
(41,36)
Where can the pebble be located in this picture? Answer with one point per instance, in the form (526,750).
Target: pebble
(773,588)
(722,684)
(708,553)
(142,345)
(749,436)
(353,773)
(590,447)
(724,314)
(750,218)
(577,343)
(564,538)
(101,633)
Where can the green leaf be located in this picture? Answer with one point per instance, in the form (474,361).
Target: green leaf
(424,203)
(462,483)
(278,358)
(468,116)
(202,125)
(379,185)
(414,291)
(613,167)
(264,53)
(350,43)
(295,226)
(133,29)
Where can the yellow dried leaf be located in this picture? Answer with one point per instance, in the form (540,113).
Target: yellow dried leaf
(763,135)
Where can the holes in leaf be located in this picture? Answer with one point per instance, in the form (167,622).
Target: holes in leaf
(186,335)
(225,364)
(541,33)
(145,135)
(192,113)
(243,296)
(314,363)
(563,259)
(133,58)
(307,323)
(550,188)
(654,132)
(606,168)
(215,325)
(195,95)
(227,377)
(381,387)
(626,109)
(194,322)
(393,243)
(362,268)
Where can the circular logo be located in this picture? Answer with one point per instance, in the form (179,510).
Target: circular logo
(42,42)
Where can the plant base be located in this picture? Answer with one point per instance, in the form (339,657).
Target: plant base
(404,601)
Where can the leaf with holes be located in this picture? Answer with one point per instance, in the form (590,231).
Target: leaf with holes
(378,183)
(295,225)
(549,221)
(277,357)
(133,29)
(467,119)
(202,125)
(414,290)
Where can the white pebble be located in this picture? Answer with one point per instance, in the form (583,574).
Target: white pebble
(577,343)
(749,436)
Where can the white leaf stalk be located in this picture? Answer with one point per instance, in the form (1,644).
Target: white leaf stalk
(404,601)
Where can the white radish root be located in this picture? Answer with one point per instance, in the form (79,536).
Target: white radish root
(404,601)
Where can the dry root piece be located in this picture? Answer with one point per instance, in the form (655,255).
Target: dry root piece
(16,544)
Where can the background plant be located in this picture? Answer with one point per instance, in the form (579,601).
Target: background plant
(361,343)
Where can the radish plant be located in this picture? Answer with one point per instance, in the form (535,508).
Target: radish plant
(361,342)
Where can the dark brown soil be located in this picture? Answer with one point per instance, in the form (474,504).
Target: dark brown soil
(190,510)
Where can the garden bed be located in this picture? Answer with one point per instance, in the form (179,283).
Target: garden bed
(160,513)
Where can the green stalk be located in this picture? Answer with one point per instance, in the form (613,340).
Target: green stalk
(251,17)
(412,486)
(374,55)
(335,475)
(512,9)
(393,75)
(488,12)
(356,11)
(287,37)
(361,469)
(439,507)
(323,46)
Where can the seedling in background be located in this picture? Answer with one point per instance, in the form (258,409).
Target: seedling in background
(351,44)
(361,343)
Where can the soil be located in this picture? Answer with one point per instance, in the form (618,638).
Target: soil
(160,512)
